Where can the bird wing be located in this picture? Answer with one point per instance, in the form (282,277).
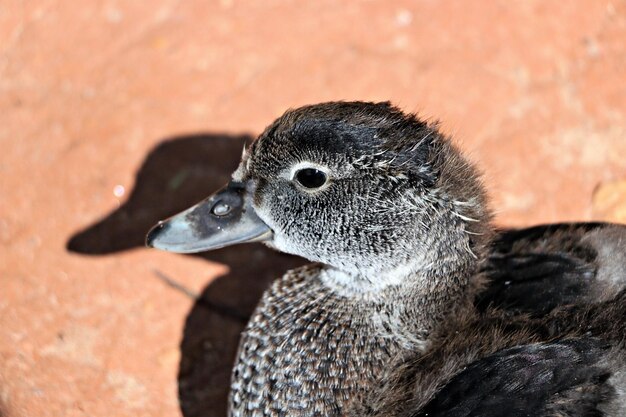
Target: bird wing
(534,270)
(566,377)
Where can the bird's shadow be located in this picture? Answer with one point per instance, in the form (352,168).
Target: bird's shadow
(179,172)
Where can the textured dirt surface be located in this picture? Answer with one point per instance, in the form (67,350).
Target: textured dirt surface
(115,114)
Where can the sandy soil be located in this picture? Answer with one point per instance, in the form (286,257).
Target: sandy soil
(116,114)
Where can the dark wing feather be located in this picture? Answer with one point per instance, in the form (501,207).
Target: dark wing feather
(558,378)
(536,269)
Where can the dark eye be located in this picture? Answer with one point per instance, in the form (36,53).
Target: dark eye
(311,177)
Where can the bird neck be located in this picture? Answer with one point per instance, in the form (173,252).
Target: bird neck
(414,298)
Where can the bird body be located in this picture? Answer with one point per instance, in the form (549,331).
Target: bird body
(412,294)
(283,366)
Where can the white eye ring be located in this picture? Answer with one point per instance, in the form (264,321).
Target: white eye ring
(309,176)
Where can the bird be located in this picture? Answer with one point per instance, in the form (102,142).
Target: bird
(413,304)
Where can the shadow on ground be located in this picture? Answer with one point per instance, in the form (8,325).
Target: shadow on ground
(177,173)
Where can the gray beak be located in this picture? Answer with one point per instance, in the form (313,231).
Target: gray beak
(225,218)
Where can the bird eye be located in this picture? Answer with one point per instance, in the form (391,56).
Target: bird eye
(311,177)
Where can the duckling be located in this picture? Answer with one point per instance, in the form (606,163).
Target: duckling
(396,223)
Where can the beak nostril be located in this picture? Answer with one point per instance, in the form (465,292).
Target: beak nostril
(221,209)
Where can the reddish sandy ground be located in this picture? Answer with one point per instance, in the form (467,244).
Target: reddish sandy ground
(115,114)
